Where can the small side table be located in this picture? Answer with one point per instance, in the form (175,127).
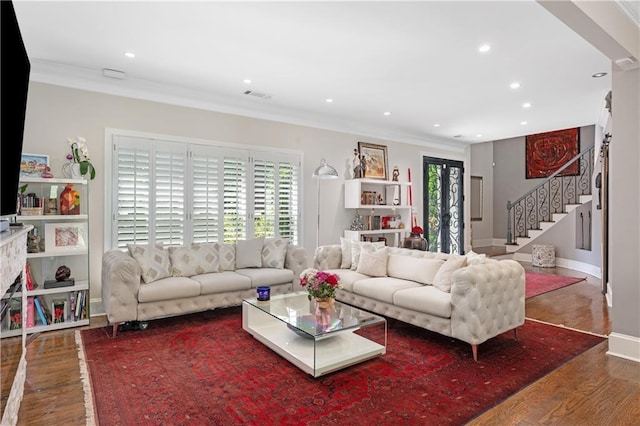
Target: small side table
(543,255)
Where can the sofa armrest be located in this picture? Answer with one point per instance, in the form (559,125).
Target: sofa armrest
(120,283)
(486,300)
(296,261)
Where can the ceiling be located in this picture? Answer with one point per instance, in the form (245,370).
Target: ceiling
(417,60)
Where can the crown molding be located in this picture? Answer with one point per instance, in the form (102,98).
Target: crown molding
(95,81)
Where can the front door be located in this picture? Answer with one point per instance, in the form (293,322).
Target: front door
(443,205)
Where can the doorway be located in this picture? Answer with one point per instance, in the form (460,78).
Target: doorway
(443,205)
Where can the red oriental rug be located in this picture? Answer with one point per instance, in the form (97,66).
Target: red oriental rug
(203,369)
(536,283)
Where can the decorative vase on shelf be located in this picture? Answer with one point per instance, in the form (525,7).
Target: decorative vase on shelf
(69,201)
(75,171)
(415,241)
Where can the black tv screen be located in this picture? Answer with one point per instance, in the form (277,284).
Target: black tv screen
(14,85)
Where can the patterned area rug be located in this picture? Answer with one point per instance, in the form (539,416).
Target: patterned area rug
(204,369)
(536,283)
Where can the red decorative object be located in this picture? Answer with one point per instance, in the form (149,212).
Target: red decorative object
(69,201)
(547,152)
(208,370)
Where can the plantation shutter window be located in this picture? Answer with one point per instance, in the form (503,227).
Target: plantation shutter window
(178,193)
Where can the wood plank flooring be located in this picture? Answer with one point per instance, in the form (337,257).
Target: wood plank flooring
(591,389)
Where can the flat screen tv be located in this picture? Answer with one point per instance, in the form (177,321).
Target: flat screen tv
(14,85)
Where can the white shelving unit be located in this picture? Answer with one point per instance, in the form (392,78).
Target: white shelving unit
(364,195)
(44,263)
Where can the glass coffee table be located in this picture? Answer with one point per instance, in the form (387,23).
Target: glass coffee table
(317,344)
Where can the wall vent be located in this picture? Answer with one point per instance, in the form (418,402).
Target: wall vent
(120,75)
(260,95)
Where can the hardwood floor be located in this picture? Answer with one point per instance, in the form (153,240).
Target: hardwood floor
(591,389)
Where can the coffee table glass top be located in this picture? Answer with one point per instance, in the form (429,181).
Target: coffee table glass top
(301,316)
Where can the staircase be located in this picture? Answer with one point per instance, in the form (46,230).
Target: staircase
(541,208)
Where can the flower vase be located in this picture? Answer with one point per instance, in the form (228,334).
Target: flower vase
(323,310)
(415,241)
(75,171)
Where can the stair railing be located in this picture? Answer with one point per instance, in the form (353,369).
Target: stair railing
(549,197)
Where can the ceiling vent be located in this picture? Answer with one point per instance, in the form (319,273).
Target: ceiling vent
(260,95)
(119,75)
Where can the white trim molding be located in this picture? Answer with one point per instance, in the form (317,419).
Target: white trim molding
(623,346)
(565,263)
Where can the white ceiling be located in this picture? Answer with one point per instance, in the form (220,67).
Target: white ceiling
(418,60)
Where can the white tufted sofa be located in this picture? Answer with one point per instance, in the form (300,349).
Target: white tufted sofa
(126,296)
(486,298)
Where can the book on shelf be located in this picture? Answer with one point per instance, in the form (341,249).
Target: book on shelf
(45,309)
(31,319)
(31,284)
(60,310)
(40,311)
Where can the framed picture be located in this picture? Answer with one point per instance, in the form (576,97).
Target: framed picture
(64,237)
(374,158)
(547,152)
(33,165)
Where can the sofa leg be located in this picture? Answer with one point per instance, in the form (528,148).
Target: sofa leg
(515,333)
(474,349)
(115,329)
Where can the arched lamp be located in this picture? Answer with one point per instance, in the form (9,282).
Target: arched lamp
(322,172)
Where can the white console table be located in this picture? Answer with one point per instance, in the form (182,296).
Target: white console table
(13,258)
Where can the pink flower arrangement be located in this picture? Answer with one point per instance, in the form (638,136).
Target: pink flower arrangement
(319,284)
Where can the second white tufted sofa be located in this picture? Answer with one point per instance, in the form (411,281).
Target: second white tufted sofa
(485,298)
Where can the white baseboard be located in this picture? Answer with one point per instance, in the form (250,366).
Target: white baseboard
(488,242)
(564,263)
(499,241)
(623,346)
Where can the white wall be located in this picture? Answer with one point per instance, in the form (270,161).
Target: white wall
(55,113)
(482,165)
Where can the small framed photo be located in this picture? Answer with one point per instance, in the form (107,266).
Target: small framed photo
(33,165)
(375,160)
(65,237)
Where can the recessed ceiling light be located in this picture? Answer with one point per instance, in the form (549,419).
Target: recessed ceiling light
(514,85)
(436,125)
(130,55)
(599,74)
(479,135)
(387,113)
(329,100)
(526,105)
(523,122)
(246,81)
(484,48)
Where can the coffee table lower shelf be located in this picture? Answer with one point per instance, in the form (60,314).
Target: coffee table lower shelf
(313,356)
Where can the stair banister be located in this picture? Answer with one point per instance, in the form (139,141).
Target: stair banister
(546,185)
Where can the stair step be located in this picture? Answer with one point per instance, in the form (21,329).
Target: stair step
(570,207)
(535,233)
(586,198)
(557,216)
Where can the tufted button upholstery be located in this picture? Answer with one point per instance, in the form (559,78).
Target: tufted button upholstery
(486,299)
(125,299)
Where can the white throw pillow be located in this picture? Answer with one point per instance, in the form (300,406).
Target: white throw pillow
(410,268)
(249,253)
(345,246)
(227,256)
(356,248)
(442,280)
(153,260)
(194,260)
(475,258)
(274,252)
(373,262)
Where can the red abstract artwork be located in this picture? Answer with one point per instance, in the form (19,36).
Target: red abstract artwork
(547,152)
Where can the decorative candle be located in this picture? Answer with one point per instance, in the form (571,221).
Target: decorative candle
(264,293)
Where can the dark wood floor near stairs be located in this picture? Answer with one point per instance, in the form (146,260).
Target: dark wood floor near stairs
(591,389)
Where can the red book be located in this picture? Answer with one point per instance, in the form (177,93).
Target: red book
(31,319)
(30,285)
